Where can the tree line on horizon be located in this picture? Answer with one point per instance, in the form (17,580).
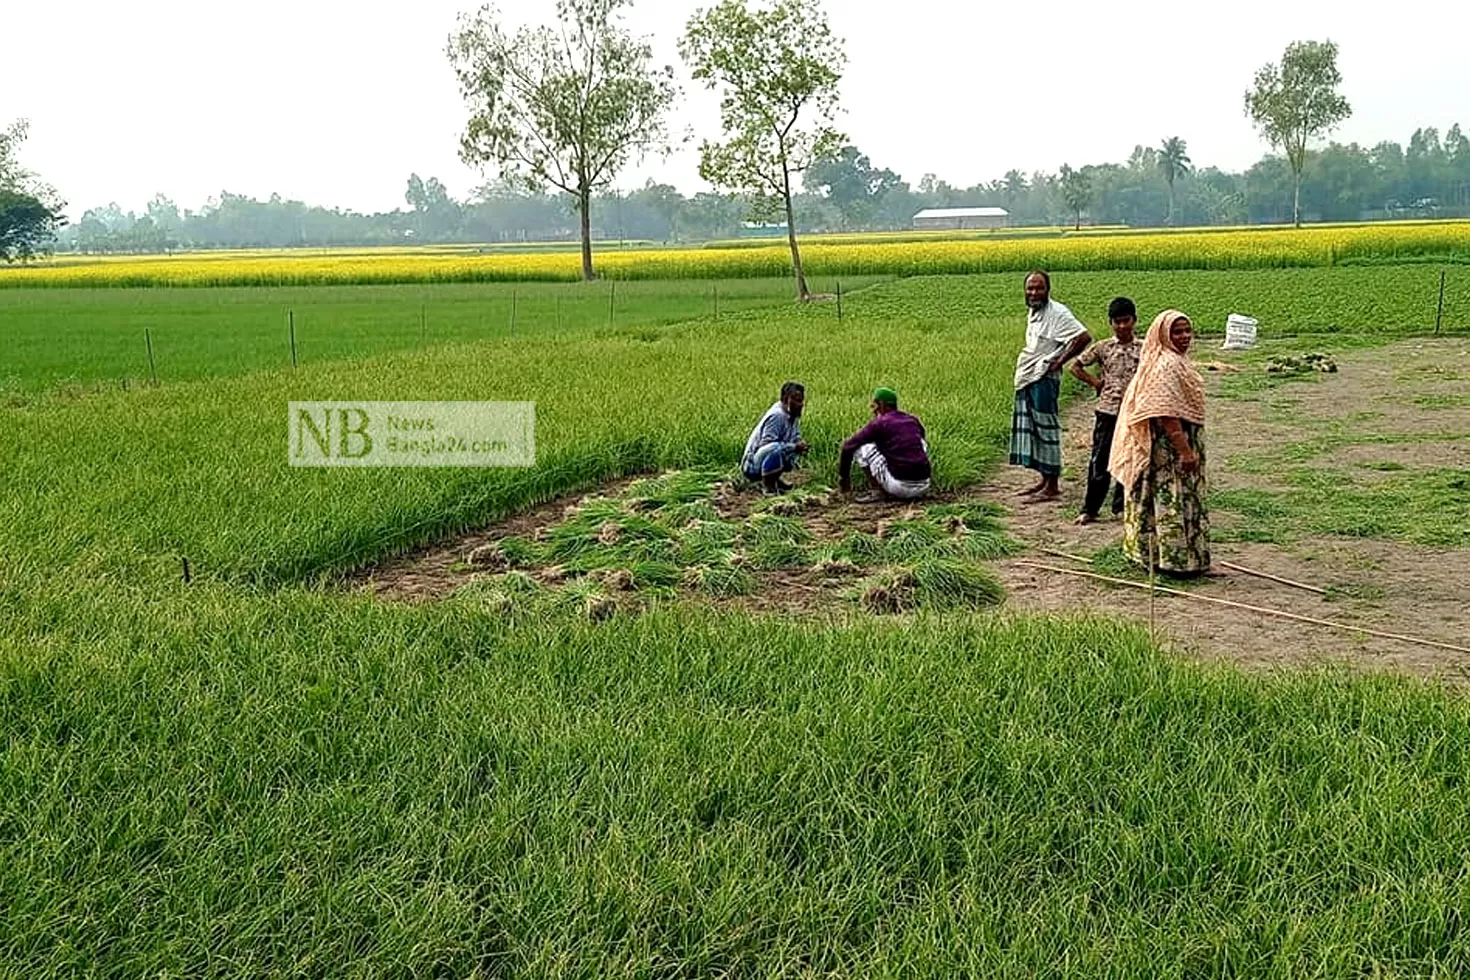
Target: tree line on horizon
(1428,177)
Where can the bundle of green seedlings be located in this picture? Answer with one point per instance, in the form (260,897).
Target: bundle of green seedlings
(1301,364)
(657,535)
(931,561)
(676,532)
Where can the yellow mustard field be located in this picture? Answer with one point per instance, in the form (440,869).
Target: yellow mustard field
(1237,249)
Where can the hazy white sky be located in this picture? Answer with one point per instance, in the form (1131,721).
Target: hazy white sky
(336,103)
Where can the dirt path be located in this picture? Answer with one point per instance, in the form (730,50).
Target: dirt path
(1416,388)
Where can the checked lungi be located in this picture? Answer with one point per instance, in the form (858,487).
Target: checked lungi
(1036,430)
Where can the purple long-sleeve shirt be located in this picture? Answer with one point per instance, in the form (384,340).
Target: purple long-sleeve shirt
(899,437)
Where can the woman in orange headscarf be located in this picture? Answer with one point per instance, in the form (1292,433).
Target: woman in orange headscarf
(1159,454)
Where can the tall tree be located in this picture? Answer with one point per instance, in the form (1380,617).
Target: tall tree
(1339,183)
(1076,187)
(1268,185)
(1388,165)
(1457,146)
(1426,164)
(1143,159)
(1174,163)
(437,216)
(1297,101)
(566,106)
(1457,150)
(30,214)
(1218,197)
(851,182)
(27,226)
(665,201)
(1013,188)
(777,68)
(1457,153)
(165,215)
(12,175)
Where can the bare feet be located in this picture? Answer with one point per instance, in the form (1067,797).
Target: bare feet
(1029,491)
(1085,518)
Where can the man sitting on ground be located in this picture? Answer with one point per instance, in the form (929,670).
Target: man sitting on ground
(892,452)
(776,442)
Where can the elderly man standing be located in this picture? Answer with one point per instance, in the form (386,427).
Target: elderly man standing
(1053,337)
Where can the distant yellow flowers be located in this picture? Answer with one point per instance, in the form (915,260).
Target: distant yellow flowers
(1193,249)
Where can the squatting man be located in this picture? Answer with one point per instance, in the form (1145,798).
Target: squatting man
(891,449)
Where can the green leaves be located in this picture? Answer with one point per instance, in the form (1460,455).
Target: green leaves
(30,214)
(1076,187)
(1174,159)
(565,106)
(1297,101)
(1173,163)
(777,69)
(27,226)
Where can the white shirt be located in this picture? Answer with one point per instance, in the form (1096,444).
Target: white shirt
(1049,331)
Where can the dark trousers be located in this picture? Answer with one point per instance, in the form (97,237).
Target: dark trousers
(1099,480)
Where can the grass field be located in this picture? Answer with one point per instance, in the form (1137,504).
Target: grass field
(68,336)
(608,402)
(289,785)
(1328,245)
(95,337)
(259,774)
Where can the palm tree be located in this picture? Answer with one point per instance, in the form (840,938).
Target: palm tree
(1076,186)
(1174,163)
(1013,185)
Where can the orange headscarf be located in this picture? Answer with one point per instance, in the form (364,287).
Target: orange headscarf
(1166,386)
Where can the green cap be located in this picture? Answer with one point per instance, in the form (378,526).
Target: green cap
(886,396)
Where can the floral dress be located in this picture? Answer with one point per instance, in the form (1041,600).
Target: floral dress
(1164,512)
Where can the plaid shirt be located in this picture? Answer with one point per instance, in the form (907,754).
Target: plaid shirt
(1119,362)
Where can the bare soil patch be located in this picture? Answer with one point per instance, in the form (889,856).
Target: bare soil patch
(1385,459)
(1378,584)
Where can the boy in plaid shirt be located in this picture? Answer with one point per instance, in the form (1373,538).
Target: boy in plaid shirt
(1117,360)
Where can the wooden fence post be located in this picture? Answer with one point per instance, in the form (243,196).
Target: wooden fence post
(1439,316)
